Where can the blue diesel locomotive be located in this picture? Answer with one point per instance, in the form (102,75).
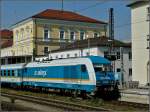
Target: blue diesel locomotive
(88,75)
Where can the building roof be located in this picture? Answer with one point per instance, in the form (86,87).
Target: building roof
(7,43)
(63,15)
(6,33)
(6,38)
(134,2)
(92,42)
(98,59)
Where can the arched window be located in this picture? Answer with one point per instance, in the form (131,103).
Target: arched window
(22,33)
(27,32)
(17,35)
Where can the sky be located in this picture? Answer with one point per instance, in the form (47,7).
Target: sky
(13,11)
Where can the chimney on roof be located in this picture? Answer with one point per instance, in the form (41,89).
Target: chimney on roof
(111,24)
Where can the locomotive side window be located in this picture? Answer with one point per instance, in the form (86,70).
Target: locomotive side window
(19,72)
(83,68)
(13,74)
(1,73)
(8,73)
(4,72)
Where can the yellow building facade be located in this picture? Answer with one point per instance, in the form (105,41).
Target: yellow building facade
(36,36)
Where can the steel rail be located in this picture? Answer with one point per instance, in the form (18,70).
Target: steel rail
(51,102)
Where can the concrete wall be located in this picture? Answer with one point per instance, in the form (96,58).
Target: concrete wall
(140,30)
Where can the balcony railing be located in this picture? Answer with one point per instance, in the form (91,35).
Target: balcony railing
(53,40)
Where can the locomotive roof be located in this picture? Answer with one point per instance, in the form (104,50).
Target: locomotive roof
(99,59)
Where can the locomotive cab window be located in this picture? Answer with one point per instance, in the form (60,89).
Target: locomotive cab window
(102,68)
(83,68)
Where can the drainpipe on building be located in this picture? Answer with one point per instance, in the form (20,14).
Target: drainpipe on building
(34,41)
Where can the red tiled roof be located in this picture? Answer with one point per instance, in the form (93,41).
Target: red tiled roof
(6,33)
(65,15)
(7,43)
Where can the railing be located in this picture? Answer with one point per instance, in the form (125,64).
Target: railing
(55,40)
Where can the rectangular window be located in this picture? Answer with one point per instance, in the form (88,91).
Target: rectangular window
(72,35)
(118,70)
(28,32)
(105,54)
(96,35)
(118,55)
(8,72)
(76,55)
(130,71)
(130,55)
(82,35)
(45,50)
(13,73)
(68,55)
(22,33)
(87,54)
(46,34)
(1,73)
(62,35)
(148,13)
(4,72)
(17,35)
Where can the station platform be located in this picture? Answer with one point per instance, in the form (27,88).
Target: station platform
(135,95)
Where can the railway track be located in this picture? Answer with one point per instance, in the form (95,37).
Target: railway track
(55,103)
(132,104)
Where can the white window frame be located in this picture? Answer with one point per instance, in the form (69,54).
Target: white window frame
(63,35)
(83,35)
(17,35)
(27,32)
(148,13)
(22,33)
(94,34)
(44,49)
(74,37)
(48,34)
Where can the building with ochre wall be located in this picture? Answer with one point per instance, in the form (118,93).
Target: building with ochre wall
(50,30)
